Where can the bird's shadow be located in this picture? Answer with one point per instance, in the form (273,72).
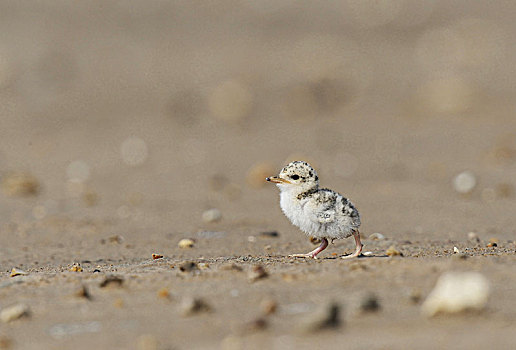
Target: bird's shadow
(358,257)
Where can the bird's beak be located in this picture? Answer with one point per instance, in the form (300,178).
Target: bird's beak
(277,180)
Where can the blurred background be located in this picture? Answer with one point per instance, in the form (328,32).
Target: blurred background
(136,117)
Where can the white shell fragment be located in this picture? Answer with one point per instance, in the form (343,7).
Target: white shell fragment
(457,292)
(456,250)
(211,215)
(18,272)
(464,182)
(14,312)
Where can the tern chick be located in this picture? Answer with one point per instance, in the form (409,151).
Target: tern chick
(319,212)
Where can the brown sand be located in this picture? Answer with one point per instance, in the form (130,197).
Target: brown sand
(129,120)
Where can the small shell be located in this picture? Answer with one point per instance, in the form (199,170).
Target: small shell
(186,243)
(18,272)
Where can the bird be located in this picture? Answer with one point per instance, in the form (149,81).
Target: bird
(319,212)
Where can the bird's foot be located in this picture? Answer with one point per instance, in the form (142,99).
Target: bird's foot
(354,255)
(313,253)
(358,249)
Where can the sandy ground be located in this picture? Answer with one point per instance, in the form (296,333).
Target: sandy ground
(129,120)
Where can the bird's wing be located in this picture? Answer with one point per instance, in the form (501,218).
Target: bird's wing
(320,215)
(326,216)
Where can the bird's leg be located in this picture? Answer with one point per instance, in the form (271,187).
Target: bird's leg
(358,249)
(313,253)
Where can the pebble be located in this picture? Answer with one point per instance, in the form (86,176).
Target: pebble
(190,306)
(415,296)
(76,268)
(14,312)
(164,293)
(392,251)
(83,293)
(18,272)
(456,250)
(157,256)
(494,242)
(370,303)
(376,236)
(258,324)
(211,215)
(203,266)
(116,239)
(456,292)
(110,281)
(367,253)
(326,318)
(186,243)
(269,306)
(464,182)
(20,184)
(472,236)
(188,266)
(257,272)
(269,234)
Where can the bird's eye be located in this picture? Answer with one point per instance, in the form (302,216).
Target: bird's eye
(294,177)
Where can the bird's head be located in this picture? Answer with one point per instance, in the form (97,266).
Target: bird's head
(297,176)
